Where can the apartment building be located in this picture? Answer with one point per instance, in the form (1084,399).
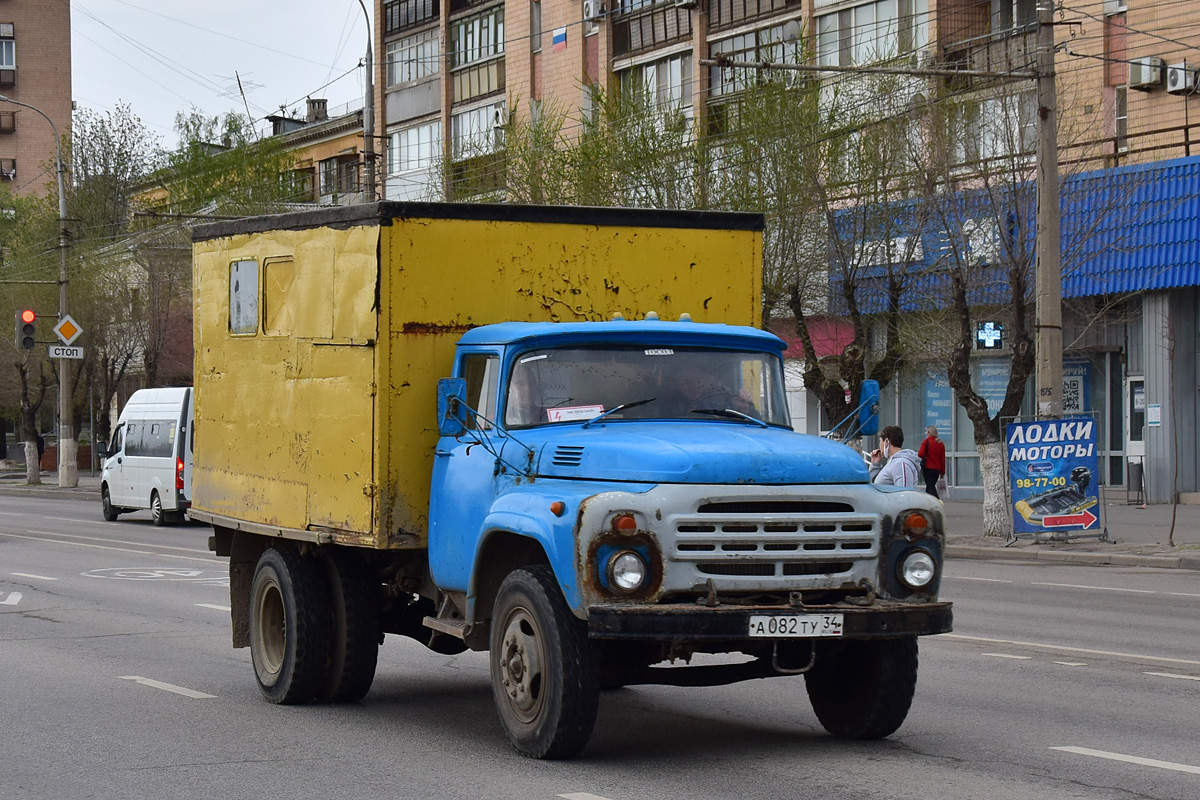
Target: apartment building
(35,68)
(451,74)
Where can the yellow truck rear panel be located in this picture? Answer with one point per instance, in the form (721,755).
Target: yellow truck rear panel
(320,422)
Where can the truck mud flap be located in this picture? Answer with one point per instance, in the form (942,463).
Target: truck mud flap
(693,623)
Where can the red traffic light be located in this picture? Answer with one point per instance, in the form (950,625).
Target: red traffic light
(28,316)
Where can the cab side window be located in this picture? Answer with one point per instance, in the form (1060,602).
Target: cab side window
(117,438)
(133,438)
(482,373)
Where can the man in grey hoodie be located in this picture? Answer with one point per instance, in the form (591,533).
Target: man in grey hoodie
(903,466)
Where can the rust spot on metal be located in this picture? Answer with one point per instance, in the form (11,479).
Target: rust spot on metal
(654,578)
(433,328)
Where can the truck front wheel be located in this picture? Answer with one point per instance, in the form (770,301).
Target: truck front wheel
(544,677)
(863,689)
(289,626)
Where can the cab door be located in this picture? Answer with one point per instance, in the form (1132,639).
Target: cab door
(120,491)
(464,478)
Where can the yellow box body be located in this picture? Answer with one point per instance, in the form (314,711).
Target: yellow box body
(321,421)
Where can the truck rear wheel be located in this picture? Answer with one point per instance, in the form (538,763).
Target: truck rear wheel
(354,628)
(863,689)
(544,677)
(289,626)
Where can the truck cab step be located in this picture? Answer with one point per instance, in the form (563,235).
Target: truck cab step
(451,627)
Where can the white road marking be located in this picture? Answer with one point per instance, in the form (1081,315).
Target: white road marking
(1007,655)
(118,549)
(120,541)
(1146,762)
(167,687)
(12,599)
(1097,588)
(582,796)
(76,521)
(985,580)
(1183,594)
(214,607)
(1063,648)
(1071,663)
(28,575)
(1172,675)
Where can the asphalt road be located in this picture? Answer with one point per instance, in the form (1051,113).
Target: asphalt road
(118,681)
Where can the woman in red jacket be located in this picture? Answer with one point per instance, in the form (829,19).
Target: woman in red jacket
(933,459)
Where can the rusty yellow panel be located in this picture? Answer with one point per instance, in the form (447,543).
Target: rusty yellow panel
(285,425)
(444,276)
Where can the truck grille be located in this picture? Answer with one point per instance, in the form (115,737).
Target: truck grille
(772,539)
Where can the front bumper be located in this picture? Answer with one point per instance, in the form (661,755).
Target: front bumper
(691,622)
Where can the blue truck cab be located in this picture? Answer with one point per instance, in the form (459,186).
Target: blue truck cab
(610,498)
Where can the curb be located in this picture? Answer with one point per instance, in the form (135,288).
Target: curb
(87,494)
(1100,559)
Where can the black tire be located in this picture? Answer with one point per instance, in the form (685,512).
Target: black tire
(354,628)
(110,511)
(863,689)
(289,626)
(157,515)
(544,675)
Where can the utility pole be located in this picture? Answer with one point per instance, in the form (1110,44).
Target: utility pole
(1048,282)
(369,112)
(68,469)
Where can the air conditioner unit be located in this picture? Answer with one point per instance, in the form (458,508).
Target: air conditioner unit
(1181,79)
(1146,73)
(593,10)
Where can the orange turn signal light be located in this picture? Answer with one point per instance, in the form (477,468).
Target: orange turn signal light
(558,508)
(624,523)
(916,523)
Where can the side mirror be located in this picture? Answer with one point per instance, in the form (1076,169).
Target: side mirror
(868,410)
(102,451)
(451,402)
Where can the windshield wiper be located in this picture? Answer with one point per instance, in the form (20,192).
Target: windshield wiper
(729,412)
(615,409)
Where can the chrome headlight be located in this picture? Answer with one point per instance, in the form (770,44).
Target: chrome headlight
(626,571)
(917,569)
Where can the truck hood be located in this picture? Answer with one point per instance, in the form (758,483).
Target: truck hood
(692,452)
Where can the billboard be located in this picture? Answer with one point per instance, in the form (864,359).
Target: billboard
(1053,469)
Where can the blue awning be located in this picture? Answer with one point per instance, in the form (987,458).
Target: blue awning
(1124,229)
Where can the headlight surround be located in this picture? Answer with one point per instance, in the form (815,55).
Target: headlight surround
(627,571)
(917,569)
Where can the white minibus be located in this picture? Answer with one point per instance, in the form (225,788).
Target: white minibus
(148,463)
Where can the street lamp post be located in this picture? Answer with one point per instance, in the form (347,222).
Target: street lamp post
(68,470)
(369,112)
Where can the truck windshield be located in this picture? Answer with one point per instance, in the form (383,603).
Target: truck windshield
(581,383)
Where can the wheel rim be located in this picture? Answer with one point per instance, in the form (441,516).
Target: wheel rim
(105,502)
(156,507)
(522,665)
(270,634)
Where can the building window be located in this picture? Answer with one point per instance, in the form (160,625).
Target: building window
(872,32)
(477,38)
(403,14)
(535,26)
(8,54)
(413,57)
(766,45)
(1121,108)
(478,131)
(339,175)
(415,148)
(666,83)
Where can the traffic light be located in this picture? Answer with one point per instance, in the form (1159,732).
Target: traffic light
(25,329)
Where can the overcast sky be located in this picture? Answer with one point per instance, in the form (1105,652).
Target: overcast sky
(162,58)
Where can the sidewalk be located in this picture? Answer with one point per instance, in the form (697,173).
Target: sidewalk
(1139,535)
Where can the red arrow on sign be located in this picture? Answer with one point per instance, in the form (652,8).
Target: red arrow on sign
(1084,519)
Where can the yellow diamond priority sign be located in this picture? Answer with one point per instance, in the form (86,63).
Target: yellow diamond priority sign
(68,330)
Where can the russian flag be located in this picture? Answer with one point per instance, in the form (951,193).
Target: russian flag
(559,42)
